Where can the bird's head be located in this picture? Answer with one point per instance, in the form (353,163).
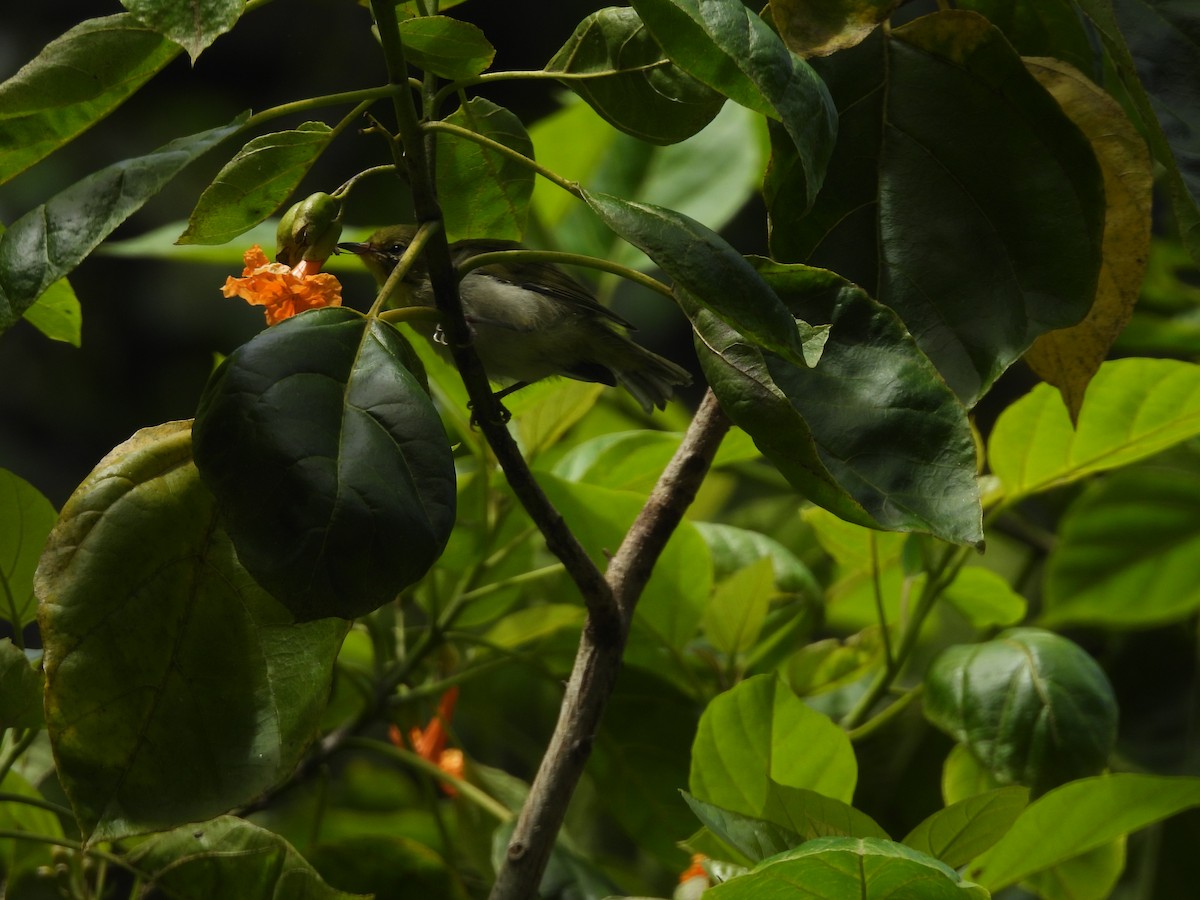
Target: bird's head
(382,250)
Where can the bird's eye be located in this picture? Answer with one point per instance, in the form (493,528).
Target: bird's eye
(396,249)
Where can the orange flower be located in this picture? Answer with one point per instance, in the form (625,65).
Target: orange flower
(283,291)
(695,870)
(430,742)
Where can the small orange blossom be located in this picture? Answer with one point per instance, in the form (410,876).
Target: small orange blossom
(283,291)
(430,742)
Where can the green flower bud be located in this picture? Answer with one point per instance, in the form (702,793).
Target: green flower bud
(309,230)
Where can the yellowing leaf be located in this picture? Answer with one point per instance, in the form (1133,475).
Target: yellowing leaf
(822,27)
(1069,357)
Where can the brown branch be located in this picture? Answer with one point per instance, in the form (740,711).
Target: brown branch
(599,660)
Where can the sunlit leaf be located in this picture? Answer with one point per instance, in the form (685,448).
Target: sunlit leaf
(255,183)
(1069,357)
(77,80)
(449,48)
(194,26)
(963,830)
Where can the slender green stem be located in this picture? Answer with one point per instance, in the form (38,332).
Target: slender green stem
(366,95)
(871,726)
(456,87)
(877,584)
(424,233)
(9,797)
(465,789)
(495,146)
(423,314)
(352,182)
(563,259)
(114,859)
(513,581)
(20,745)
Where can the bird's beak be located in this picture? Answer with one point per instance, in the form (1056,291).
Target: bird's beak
(355,247)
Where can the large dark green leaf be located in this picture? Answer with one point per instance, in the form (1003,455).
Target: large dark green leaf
(229,857)
(26,518)
(176,688)
(872,433)
(329,462)
(631,83)
(48,242)
(1030,705)
(729,48)
(1155,45)
(709,273)
(1051,28)
(860,868)
(255,183)
(75,81)
(958,189)
(194,26)
(484,194)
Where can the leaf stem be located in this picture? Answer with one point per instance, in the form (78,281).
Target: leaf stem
(53,841)
(564,259)
(426,231)
(570,187)
(535,75)
(9,797)
(364,96)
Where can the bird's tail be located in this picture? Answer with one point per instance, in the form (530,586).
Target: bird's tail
(648,377)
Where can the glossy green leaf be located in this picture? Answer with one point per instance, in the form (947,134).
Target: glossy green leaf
(484,194)
(710,274)
(872,433)
(194,26)
(255,183)
(1126,553)
(1133,409)
(860,868)
(329,462)
(630,82)
(1032,706)
(1090,876)
(1078,817)
(822,27)
(733,548)
(209,692)
(729,48)
(985,599)
(958,188)
(26,518)
(77,80)
(49,241)
(1155,45)
(446,47)
(735,615)
(756,839)
(21,687)
(758,740)
(963,830)
(673,600)
(57,314)
(229,857)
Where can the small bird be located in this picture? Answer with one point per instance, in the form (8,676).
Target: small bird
(531,320)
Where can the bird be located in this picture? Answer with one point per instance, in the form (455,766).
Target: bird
(530,320)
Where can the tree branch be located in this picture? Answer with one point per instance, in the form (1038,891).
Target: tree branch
(598,662)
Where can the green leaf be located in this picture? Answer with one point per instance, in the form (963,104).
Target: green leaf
(709,273)
(1156,50)
(255,183)
(759,739)
(729,48)
(1051,28)
(630,81)
(757,839)
(1090,876)
(448,48)
(822,27)
(26,518)
(57,314)
(16,855)
(733,548)
(957,189)
(985,599)
(329,463)
(1030,705)
(735,615)
(963,776)
(21,686)
(861,868)
(484,194)
(49,241)
(962,831)
(384,866)
(1078,817)
(229,857)
(77,80)
(674,598)
(194,26)
(872,433)
(533,623)
(1134,408)
(1126,552)
(210,692)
